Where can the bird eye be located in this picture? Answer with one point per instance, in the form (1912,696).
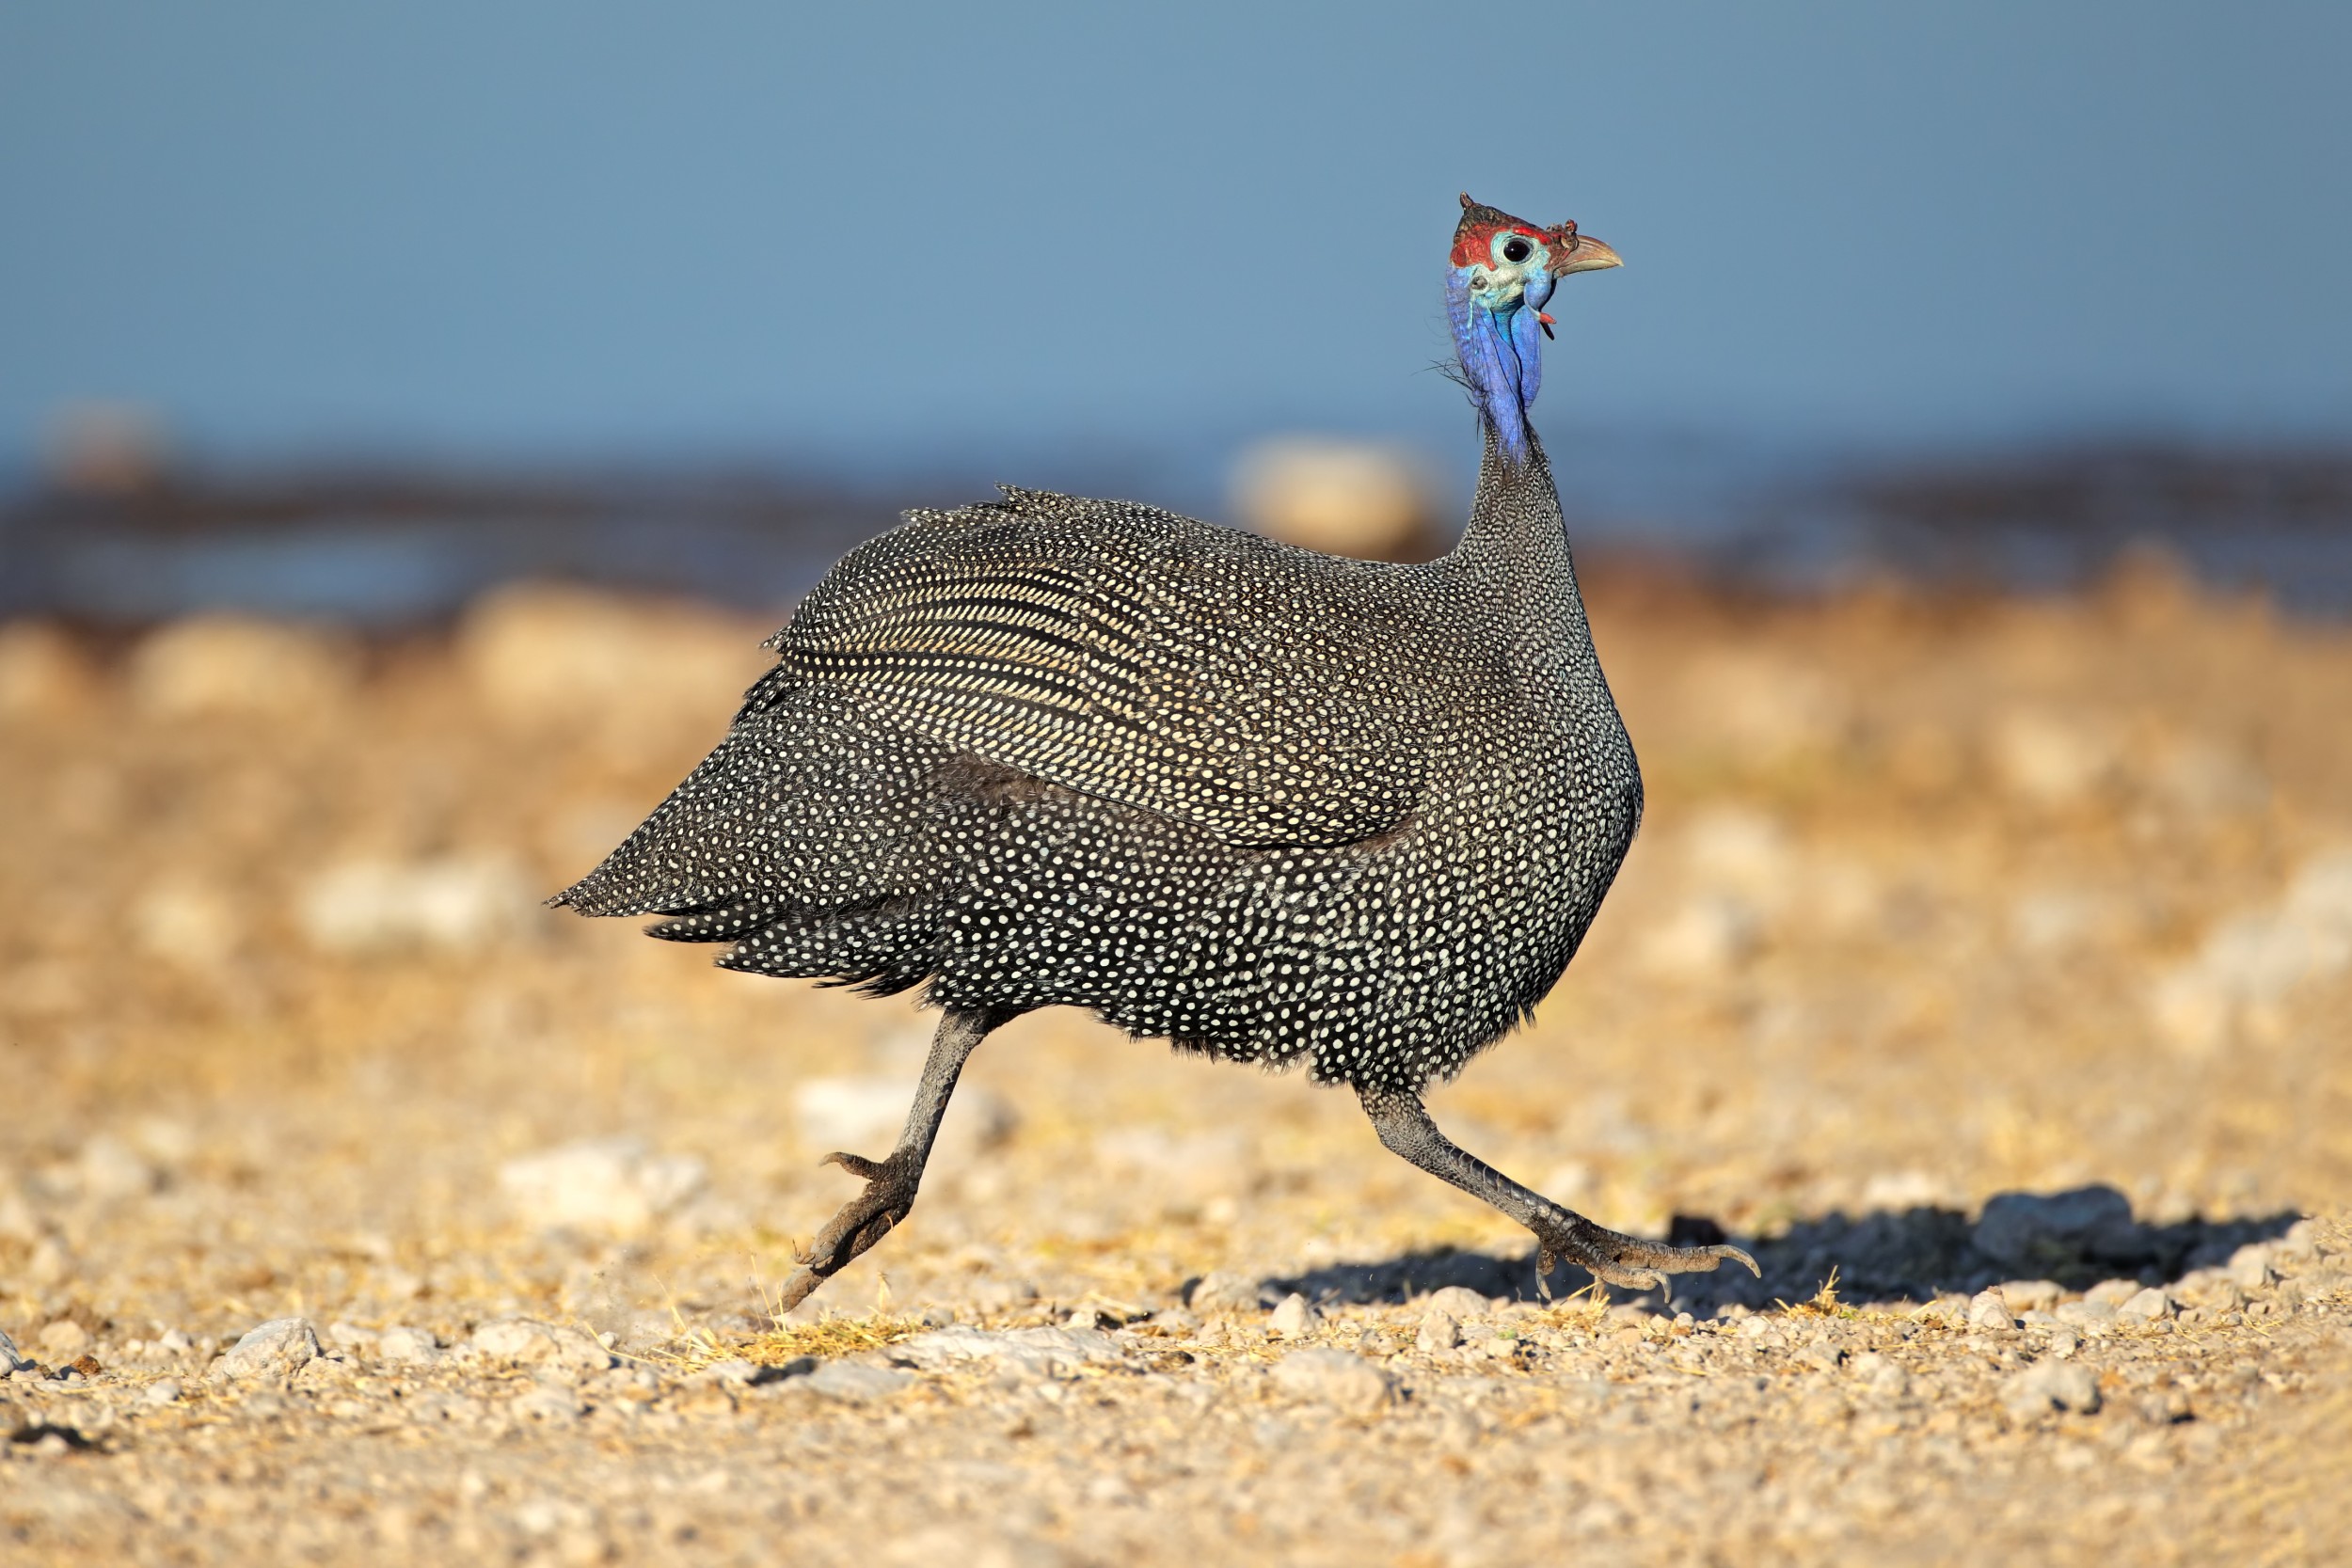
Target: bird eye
(1516,250)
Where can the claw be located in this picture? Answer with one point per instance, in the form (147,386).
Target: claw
(856,1164)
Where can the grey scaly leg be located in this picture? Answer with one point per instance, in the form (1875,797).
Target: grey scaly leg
(1405,1128)
(891,1183)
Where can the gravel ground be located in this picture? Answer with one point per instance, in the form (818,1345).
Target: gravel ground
(1983,969)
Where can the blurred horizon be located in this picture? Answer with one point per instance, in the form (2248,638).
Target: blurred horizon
(557,234)
(1116,251)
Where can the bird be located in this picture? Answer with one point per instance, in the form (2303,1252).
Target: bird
(1271,805)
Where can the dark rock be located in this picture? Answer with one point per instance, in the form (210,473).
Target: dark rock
(2058,1234)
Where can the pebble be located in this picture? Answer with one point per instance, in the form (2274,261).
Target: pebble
(853,1383)
(401,1346)
(1821,1354)
(11,1358)
(1219,1292)
(1458,1302)
(2051,1384)
(2055,1229)
(2147,1305)
(352,1338)
(1989,1313)
(2249,1266)
(1023,1352)
(2064,1342)
(2031,1295)
(278,1348)
(1439,1331)
(2091,1317)
(555,1406)
(1338,1378)
(1291,1317)
(528,1342)
(1880,1374)
(163,1392)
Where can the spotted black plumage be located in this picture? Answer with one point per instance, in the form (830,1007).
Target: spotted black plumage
(1275,806)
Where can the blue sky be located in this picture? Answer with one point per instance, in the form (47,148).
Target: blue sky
(866,235)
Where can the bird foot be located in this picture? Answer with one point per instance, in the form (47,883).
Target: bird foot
(1561,1236)
(890,1188)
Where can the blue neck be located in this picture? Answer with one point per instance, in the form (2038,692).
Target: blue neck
(1501,357)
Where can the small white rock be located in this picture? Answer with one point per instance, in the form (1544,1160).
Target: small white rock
(1292,1316)
(1989,1312)
(2249,1266)
(527,1342)
(2051,1384)
(2147,1306)
(1219,1292)
(1458,1302)
(1881,1375)
(2091,1317)
(1822,1354)
(163,1390)
(402,1346)
(1030,1351)
(2030,1295)
(1439,1331)
(852,1384)
(351,1336)
(1338,1378)
(280,1348)
(10,1359)
(555,1406)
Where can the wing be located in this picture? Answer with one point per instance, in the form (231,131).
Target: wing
(1127,654)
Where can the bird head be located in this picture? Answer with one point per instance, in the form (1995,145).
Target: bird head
(1502,272)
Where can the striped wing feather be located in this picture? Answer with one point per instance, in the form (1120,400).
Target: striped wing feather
(1113,679)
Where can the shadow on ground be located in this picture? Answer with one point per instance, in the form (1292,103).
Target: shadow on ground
(2076,1238)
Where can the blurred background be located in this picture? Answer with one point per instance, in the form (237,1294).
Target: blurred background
(412,418)
(354,312)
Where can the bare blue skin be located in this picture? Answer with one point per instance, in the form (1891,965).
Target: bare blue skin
(1496,308)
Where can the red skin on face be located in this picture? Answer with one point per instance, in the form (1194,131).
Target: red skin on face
(1474,236)
(1475,247)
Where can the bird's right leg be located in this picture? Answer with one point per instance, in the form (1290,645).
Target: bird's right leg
(1561,1235)
(891,1182)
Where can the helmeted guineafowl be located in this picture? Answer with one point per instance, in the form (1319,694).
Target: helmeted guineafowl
(1275,806)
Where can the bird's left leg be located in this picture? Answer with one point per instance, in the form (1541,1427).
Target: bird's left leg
(1560,1235)
(891,1182)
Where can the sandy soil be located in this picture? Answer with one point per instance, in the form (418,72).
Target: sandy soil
(1940,900)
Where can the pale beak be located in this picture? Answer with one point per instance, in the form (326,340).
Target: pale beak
(1589,254)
